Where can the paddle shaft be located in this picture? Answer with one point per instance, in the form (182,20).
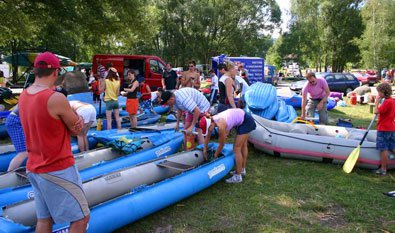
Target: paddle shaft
(367,130)
(99,106)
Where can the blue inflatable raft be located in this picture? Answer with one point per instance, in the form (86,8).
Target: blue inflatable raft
(5,158)
(166,181)
(164,144)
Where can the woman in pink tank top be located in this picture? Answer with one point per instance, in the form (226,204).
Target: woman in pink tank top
(225,121)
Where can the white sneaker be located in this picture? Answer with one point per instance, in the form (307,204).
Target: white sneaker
(243,172)
(234,179)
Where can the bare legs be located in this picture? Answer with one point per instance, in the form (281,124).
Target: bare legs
(109,118)
(384,159)
(44,225)
(133,120)
(83,142)
(241,152)
(244,152)
(79,226)
(117,119)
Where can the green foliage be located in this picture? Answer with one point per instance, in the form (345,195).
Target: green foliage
(378,40)
(202,29)
(273,56)
(77,28)
(323,33)
(177,30)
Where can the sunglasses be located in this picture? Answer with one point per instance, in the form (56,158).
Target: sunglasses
(191,66)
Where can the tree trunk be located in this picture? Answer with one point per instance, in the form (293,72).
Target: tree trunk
(14,62)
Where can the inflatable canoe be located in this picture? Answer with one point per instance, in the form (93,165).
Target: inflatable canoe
(7,152)
(82,160)
(330,144)
(137,192)
(163,145)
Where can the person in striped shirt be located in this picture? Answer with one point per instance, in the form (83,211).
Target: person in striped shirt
(193,102)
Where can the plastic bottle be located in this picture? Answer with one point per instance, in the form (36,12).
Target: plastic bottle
(99,125)
(353,99)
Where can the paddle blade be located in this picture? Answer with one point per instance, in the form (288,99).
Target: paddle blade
(351,160)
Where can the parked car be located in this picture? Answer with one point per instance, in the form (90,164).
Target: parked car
(340,82)
(337,82)
(297,86)
(365,78)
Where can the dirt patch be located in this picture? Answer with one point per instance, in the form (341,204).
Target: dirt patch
(333,217)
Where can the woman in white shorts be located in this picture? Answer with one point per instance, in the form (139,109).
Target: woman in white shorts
(88,113)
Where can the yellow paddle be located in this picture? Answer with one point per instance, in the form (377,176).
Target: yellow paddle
(353,157)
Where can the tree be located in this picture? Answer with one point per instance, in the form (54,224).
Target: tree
(323,33)
(378,40)
(202,29)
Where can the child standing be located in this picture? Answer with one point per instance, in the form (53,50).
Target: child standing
(385,125)
(95,89)
(145,91)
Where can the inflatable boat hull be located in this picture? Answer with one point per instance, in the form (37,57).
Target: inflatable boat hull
(165,145)
(320,143)
(147,199)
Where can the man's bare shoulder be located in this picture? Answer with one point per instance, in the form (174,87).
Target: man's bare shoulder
(57,99)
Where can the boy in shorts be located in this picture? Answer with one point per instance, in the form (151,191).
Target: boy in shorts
(385,125)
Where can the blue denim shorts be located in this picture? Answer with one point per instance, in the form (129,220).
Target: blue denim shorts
(59,195)
(247,126)
(385,140)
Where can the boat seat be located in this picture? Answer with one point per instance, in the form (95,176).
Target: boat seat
(175,165)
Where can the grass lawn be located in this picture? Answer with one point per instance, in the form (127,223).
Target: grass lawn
(282,195)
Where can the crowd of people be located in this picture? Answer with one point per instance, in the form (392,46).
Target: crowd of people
(41,124)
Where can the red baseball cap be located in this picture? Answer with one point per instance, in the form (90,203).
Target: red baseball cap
(204,124)
(51,61)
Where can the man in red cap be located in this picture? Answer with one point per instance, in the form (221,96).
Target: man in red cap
(48,121)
